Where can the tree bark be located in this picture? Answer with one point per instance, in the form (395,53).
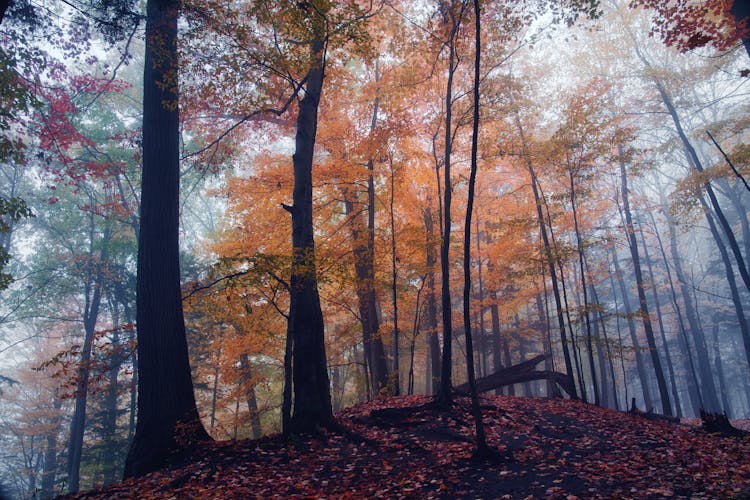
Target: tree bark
(249,388)
(639,361)
(92,297)
(549,257)
(445,396)
(584,287)
(432,323)
(643,312)
(312,396)
(168,421)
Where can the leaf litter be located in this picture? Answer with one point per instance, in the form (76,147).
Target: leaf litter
(405,447)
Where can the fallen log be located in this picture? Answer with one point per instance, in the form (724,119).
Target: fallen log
(516,374)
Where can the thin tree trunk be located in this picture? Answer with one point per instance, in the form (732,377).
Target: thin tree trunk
(445,395)
(549,257)
(581,264)
(396,383)
(432,323)
(695,161)
(250,397)
(639,361)
(93,296)
(482,448)
(364,268)
(643,312)
(662,332)
(694,391)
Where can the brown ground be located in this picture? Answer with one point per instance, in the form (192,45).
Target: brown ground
(405,448)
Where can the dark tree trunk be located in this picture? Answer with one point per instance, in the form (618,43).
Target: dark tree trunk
(432,323)
(549,258)
(50,453)
(584,287)
(396,382)
(364,268)
(692,381)
(249,388)
(720,368)
(482,448)
(445,396)
(111,411)
(515,374)
(93,297)
(735,293)
(168,420)
(643,312)
(639,361)
(707,388)
(693,159)
(312,395)
(662,332)
(497,345)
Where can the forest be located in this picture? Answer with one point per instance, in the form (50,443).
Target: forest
(374,248)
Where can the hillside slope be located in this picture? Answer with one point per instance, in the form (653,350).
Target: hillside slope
(404,448)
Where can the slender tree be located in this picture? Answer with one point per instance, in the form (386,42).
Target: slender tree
(482,448)
(642,303)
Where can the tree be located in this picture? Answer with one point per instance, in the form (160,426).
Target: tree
(168,421)
(482,448)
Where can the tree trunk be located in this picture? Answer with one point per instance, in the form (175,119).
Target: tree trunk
(693,159)
(249,388)
(445,396)
(693,386)
(92,297)
(364,268)
(312,396)
(584,287)
(432,323)
(736,299)
(549,257)
(396,382)
(643,312)
(522,372)
(482,448)
(639,361)
(662,332)
(168,420)
(50,453)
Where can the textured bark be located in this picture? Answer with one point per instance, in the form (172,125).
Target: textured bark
(168,422)
(312,395)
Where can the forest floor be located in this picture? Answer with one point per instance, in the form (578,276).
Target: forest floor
(405,448)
